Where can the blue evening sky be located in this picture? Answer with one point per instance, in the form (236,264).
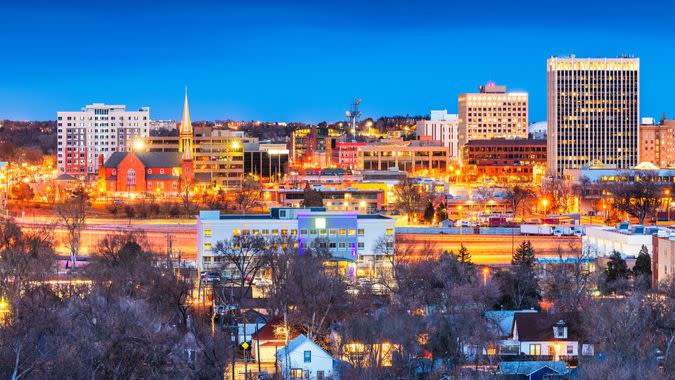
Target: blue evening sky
(307,60)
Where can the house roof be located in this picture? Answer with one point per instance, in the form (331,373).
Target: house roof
(149,159)
(296,343)
(539,326)
(503,319)
(66,177)
(269,331)
(529,367)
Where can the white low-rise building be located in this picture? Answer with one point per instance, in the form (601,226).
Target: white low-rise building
(625,239)
(304,359)
(352,238)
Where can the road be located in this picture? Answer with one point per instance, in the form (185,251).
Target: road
(161,233)
(181,235)
(484,249)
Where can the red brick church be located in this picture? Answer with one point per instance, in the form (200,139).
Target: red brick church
(158,173)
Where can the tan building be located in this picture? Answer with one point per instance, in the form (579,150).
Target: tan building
(663,258)
(218,154)
(657,142)
(409,156)
(593,112)
(492,113)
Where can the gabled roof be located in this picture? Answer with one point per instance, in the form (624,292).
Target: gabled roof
(536,327)
(269,331)
(296,343)
(66,177)
(529,367)
(503,319)
(149,159)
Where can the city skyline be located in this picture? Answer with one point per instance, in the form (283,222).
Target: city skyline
(307,62)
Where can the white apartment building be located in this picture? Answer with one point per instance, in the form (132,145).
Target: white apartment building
(98,129)
(492,113)
(443,127)
(352,238)
(625,239)
(593,112)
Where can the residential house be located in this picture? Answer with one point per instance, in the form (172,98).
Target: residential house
(304,359)
(501,323)
(268,340)
(546,335)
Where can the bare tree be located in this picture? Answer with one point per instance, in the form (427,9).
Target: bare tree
(517,196)
(244,257)
(636,193)
(250,195)
(410,198)
(73,213)
(559,193)
(568,283)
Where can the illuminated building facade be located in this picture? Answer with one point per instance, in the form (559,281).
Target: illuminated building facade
(314,145)
(657,142)
(505,160)
(266,160)
(351,238)
(443,127)
(346,154)
(492,113)
(408,156)
(96,130)
(593,112)
(351,199)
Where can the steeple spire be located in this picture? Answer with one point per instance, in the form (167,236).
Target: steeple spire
(185,131)
(185,124)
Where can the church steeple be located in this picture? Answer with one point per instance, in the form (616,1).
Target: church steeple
(185,131)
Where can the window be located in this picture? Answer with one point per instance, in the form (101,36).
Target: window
(570,349)
(343,231)
(342,245)
(265,232)
(284,232)
(131,177)
(322,232)
(207,246)
(236,232)
(535,349)
(390,231)
(320,375)
(207,232)
(361,245)
(296,373)
(312,232)
(275,232)
(308,356)
(303,232)
(361,232)
(333,231)
(352,232)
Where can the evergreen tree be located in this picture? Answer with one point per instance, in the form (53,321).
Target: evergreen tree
(312,198)
(464,256)
(616,268)
(441,212)
(615,276)
(429,213)
(524,254)
(642,271)
(519,286)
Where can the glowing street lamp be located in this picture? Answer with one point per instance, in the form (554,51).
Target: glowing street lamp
(139,145)
(486,271)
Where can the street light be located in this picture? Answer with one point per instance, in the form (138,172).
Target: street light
(486,270)
(544,202)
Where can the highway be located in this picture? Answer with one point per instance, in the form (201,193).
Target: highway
(484,249)
(181,235)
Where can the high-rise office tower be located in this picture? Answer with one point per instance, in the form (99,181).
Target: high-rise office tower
(98,129)
(492,113)
(593,112)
